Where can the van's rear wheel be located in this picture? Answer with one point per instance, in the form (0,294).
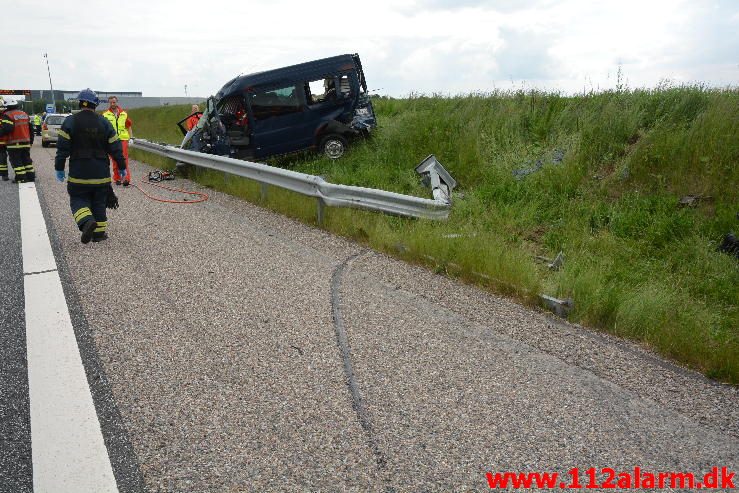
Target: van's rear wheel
(333,146)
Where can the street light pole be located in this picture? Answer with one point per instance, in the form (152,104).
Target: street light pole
(53,102)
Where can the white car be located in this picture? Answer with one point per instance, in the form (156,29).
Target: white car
(50,128)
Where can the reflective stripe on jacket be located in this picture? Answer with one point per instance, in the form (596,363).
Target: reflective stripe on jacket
(4,122)
(118,122)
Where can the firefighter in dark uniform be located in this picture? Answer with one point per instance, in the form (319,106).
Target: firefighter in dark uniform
(3,145)
(16,129)
(87,139)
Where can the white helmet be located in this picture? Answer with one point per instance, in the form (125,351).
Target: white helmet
(11,101)
(2,102)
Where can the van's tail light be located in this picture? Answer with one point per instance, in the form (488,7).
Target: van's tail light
(44,127)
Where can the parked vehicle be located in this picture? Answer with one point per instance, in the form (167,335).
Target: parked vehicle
(321,105)
(50,128)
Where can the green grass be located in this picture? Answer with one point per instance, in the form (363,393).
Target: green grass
(637,265)
(160,123)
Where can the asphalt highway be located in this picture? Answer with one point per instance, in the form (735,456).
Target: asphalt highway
(231,349)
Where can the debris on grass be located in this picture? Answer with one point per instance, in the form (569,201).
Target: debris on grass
(693,200)
(555,264)
(557,158)
(561,308)
(730,245)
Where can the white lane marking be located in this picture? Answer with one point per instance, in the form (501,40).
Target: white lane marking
(69,454)
(37,253)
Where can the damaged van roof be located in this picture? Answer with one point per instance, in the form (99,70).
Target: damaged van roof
(287,75)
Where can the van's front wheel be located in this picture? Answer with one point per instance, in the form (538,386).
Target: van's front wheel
(333,146)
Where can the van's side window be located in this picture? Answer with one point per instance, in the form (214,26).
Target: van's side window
(315,90)
(321,90)
(275,102)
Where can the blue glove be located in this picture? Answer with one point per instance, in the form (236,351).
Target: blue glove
(123,174)
(60,175)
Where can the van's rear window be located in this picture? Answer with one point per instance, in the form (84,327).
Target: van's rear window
(55,120)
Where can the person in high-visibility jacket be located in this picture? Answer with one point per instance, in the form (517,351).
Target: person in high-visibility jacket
(15,127)
(121,123)
(87,139)
(3,145)
(37,124)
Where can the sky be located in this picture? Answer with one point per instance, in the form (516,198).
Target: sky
(406,46)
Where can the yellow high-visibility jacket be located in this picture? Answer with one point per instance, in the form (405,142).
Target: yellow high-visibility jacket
(118,122)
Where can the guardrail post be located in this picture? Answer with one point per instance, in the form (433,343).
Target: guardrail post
(263,191)
(321,207)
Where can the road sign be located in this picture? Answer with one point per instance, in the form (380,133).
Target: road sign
(50,108)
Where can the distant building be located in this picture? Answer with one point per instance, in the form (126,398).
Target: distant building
(103,94)
(144,102)
(127,99)
(62,95)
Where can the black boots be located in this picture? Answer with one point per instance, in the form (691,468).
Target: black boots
(87,231)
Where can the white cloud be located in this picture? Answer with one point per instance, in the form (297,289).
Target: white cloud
(406,45)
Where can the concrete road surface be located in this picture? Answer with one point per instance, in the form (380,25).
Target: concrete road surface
(230,349)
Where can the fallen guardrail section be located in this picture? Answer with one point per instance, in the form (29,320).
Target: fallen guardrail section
(327,194)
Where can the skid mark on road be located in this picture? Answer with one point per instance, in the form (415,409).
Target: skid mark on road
(343,343)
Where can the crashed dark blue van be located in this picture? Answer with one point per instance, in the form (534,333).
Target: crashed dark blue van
(322,105)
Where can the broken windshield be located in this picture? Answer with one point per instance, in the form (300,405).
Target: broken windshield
(210,107)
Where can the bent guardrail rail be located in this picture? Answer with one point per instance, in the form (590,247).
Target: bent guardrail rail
(328,194)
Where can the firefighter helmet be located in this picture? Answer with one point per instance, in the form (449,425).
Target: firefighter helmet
(88,96)
(10,101)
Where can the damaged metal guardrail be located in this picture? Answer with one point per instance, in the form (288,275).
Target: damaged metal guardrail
(327,194)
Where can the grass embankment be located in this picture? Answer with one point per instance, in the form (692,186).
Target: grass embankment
(637,265)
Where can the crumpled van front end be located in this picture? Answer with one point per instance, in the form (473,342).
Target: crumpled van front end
(209,135)
(364,115)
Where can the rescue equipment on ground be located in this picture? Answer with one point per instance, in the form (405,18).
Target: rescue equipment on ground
(154,177)
(158,175)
